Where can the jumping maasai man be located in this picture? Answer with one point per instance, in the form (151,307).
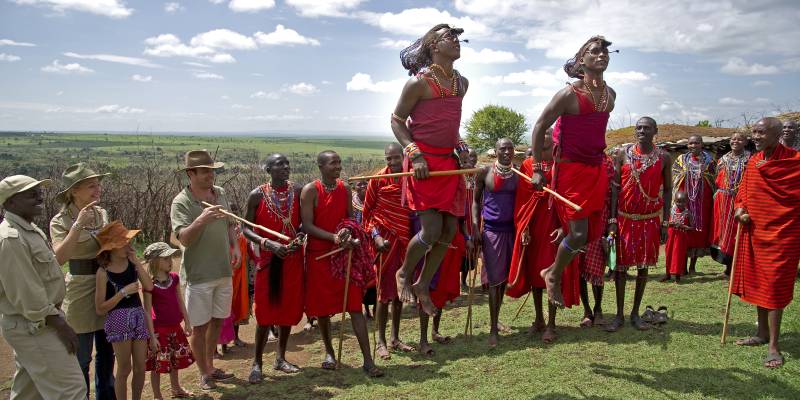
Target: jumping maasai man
(495,189)
(324,205)
(387,221)
(641,200)
(694,174)
(769,250)
(538,232)
(278,294)
(580,112)
(426,121)
(730,169)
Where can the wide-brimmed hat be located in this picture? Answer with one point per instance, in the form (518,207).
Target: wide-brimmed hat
(158,249)
(14,184)
(73,175)
(200,159)
(114,235)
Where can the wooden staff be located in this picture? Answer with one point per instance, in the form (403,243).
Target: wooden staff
(377,305)
(411,173)
(344,305)
(521,306)
(551,191)
(470,262)
(730,284)
(338,250)
(265,229)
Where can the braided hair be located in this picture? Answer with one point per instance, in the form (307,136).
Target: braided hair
(573,67)
(418,55)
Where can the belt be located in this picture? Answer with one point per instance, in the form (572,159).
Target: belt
(83,267)
(639,217)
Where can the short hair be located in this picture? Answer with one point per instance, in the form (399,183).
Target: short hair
(653,121)
(323,155)
(272,159)
(503,139)
(392,146)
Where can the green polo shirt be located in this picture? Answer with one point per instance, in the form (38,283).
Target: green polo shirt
(208,257)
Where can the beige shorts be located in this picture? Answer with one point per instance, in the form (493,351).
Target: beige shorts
(208,300)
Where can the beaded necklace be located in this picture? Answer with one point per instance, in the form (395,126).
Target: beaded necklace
(329,188)
(454,81)
(735,165)
(598,105)
(503,171)
(357,203)
(277,201)
(646,161)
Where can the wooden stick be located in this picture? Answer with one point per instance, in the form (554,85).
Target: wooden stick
(551,191)
(730,284)
(236,217)
(521,306)
(377,305)
(411,173)
(475,274)
(344,306)
(330,253)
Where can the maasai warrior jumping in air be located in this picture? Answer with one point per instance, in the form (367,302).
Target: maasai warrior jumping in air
(641,198)
(769,247)
(387,221)
(278,298)
(693,173)
(730,170)
(324,205)
(495,189)
(580,112)
(426,121)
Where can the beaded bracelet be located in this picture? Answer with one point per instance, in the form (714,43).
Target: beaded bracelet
(375,233)
(538,167)
(412,151)
(462,146)
(398,118)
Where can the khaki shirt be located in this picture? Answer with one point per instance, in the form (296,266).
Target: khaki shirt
(79,307)
(208,257)
(31,283)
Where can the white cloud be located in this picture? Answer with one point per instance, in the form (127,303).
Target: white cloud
(283,36)
(625,78)
(207,75)
(251,6)
(302,89)
(240,107)
(761,83)
(173,7)
(141,78)
(117,109)
(272,117)
(107,8)
(762,100)
(654,91)
(196,64)
(225,39)
(737,66)
(704,27)
(541,78)
(326,8)
(670,105)
(417,21)
(74,68)
(141,62)
(394,44)
(265,95)
(225,97)
(361,82)
(9,42)
(487,56)
(9,58)
(216,1)
(730,101)
(169,45)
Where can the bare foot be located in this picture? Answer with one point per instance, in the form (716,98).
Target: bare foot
(438,338)
(549,335)
(553,282)
(403,287)
(598,319)
(398,345)
(426,349)
(492,340)
(536,327)
(503,328)
(586,322)
(424,298)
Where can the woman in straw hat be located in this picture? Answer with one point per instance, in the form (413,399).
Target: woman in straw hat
(72,231)
(117,297)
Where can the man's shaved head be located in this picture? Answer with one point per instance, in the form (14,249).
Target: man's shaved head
(272,159)
(390,147)
(766,133)
(324,155)
(650,120)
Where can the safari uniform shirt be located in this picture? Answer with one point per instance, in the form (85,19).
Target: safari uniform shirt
(79,301)
(31,283)
(208,257)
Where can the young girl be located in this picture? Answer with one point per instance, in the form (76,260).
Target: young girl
(169,349)
(679,225)
(117,297)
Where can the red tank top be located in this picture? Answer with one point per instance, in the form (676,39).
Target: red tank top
(435,122)
(331,209)
(582,138)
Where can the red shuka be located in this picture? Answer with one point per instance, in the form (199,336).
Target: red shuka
(288,310)
(325,293)
(769,247)
(240,303)
(531,211)
(448,286)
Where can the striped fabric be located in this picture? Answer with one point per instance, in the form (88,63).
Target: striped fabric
(769,247)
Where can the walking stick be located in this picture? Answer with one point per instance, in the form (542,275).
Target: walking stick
(551,191)
(377,305)
(521,306)
(344,305)
(411,173)
(730,284)
(236,217)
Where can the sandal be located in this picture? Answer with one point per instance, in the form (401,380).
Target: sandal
(400,346)
(256,376)
(640,324)
(383,352)
(615,324)
(373,371)
(329,363)
(649,315)
(773,360)
(442,339)
(752,341)
(206,383)
(181,394)
(426,350)
(660,317)
(586,322)
(285,367)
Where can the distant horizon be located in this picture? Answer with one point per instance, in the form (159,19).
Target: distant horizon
(287,133)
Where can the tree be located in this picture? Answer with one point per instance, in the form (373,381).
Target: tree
(704,123)
(493,122)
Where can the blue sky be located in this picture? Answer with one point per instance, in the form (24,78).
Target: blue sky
(315,65)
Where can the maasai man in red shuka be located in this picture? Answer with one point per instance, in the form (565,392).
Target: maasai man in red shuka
(325,204)
(693,173)
(769,247)
(386,219)
(642,197)
(538,231)
(580,112)
(278,296)
(730,170)
(426,121)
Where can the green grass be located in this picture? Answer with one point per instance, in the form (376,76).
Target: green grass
(682,360)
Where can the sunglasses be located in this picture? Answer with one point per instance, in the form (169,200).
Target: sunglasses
(450,35)
(596,51)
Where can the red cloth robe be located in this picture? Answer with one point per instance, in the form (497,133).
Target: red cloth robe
(677,240)
(384,213)
(240,303)
(592,263)
(448,286)
(324,293)
(702,208)
(288,309)
(531,211)
(724,225)
(769,247)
